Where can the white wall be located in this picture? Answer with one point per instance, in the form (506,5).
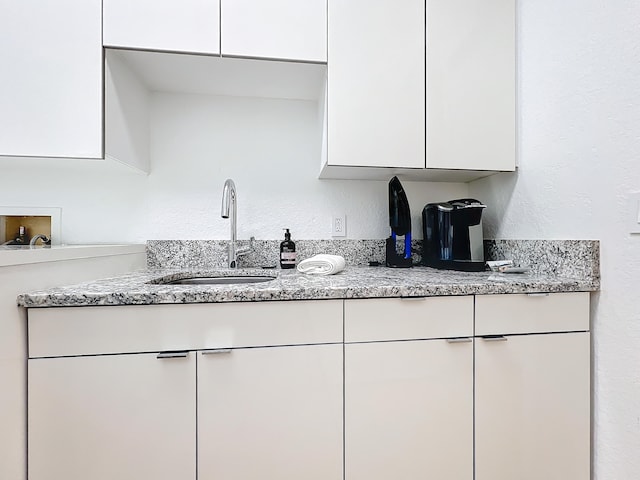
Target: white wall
(579,149)
(271,150)
(269,147)
(100,201)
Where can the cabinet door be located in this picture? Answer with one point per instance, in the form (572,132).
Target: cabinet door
(409,410)
(272,412)
(125,417)
(51,82)
(376,83)
(471,84)
(168,25)
(532,407)
(287,29)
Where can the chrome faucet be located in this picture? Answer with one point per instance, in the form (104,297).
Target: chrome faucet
(229,203)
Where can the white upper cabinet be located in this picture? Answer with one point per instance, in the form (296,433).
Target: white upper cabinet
(394,86)
(281,29)
(471,77)
(167,25)
(376,79)
(51,82)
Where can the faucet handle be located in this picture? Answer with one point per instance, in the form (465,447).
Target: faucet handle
(245,250)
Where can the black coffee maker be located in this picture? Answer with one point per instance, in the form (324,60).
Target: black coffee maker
(453,237)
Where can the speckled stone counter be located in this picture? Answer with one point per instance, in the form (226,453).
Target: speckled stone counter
(555,266)
(145,288)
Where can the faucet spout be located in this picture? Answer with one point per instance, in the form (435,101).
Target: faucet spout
(229,210)
(228,197)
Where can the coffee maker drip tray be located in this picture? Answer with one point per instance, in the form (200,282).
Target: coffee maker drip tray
(457,265)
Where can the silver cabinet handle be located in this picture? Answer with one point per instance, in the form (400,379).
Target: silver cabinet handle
(413,299)
(460,340)
(215,351)
(182,354)
(540,294)
(495,338)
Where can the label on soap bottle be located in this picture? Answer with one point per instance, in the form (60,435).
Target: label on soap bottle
(288,258)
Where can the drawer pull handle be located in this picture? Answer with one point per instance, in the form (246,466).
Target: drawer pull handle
(495,338)
(215,351)
(459,340)
(413,299)
(541,294)
(183,354)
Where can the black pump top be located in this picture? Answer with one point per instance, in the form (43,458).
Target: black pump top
(287,235)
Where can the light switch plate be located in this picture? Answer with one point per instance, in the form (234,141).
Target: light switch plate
(634,212)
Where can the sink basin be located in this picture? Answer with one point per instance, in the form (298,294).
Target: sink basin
(226,280)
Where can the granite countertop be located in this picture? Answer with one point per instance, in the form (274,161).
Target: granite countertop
(146,287)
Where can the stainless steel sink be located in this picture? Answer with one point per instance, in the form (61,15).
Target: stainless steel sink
(224,280)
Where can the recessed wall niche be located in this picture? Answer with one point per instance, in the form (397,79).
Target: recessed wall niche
(18,225)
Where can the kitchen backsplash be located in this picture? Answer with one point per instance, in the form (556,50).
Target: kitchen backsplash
(265,253)
(565,258)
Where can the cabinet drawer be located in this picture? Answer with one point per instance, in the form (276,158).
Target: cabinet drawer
(532,313)
(112,329)
(407,318)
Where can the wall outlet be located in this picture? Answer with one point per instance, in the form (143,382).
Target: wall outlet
(339,226)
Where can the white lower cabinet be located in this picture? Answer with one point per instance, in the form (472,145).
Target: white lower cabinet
(272,412)
(329,390)
(409,410)
(513,405)
(125,417)
(532,387)
(409,402)
(268,406)
(532,407)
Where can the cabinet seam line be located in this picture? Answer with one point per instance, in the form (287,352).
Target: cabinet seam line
(473,396)
(344,399)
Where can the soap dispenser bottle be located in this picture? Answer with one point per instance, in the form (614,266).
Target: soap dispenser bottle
(287,251)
